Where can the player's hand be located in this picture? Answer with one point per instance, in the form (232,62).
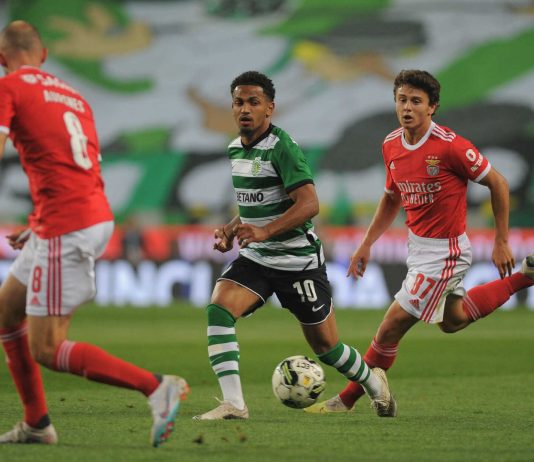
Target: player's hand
(225,242)
(249,233)
(358,261)
(503,259)
(18,239)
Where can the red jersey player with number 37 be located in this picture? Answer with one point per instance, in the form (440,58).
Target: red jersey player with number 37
(428,167)
(52,128)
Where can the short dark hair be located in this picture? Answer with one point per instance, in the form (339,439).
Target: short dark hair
(421,80)
(257,79)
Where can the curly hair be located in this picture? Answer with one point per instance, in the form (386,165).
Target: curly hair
(421,80)
(257,79)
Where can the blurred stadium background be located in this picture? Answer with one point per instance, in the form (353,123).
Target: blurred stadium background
(157,75)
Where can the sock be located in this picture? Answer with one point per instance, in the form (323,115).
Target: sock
(483,300)
(348,361)
(377,355)
(96,364)
(26,375)
(223,351)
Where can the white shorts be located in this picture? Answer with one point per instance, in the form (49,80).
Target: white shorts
(60,272)
(436,268)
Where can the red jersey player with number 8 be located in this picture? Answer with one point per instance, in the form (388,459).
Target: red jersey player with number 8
(52,128)
(428,167)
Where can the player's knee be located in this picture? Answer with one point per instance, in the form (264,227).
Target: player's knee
(450,328)
(11,315)
(43,354)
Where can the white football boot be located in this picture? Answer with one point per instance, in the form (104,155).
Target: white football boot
(164,404)
(24,434)
(384,404)
(224,411)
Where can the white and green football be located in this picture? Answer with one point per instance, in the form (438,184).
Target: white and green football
(298,381)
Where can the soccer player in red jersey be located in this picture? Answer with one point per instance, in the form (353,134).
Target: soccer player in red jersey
(52,127)
(428,167)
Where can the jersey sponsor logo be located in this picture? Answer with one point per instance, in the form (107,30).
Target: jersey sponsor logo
(415,303)
(255,168)
(317,308)
(432,167)
(475,158)
(249,197)
(414,187)
(414,193)
(471,155)
(35,301)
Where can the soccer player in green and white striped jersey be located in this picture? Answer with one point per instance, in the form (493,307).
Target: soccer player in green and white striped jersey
(280,253)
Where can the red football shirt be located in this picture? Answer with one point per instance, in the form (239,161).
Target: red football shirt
(431,177)
(52,128)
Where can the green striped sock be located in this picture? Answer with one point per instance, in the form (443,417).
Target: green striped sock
(348,361)
(223,349)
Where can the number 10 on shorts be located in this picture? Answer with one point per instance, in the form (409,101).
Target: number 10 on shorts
(306,290)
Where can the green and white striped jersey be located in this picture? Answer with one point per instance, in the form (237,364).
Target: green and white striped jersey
(263,174)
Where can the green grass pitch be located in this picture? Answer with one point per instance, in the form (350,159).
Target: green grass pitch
(461,397)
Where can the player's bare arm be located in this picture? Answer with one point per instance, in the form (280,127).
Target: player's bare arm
(500,203)
(3,139)
(225,235)
(388,208)
(305,207)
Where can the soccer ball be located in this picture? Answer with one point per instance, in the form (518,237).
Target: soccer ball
(298,381)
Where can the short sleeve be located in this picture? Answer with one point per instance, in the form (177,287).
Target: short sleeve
(390,186)
(291,164)
(467,160)
(7,107)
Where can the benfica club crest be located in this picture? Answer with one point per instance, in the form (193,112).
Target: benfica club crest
(432,167)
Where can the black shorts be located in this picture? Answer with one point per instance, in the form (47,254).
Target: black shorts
(307,294)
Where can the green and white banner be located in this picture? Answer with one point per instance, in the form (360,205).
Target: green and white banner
(157,75)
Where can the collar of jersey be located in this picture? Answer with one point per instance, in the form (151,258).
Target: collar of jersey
(264,135)
(413,147)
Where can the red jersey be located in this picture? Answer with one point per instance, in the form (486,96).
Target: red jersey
(52,128)
(431,177)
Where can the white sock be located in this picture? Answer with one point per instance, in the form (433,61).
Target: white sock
(231,389)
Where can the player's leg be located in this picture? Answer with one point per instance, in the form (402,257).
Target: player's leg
(63,278)
(229,302)
(346,359)
(483,300)
(381,353)
(36,426)
(52,349)
(236,293)
(308,295)
(23,368)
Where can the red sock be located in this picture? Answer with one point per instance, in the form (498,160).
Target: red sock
(96,364)
(376,356)
(485,299)
(25,372)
